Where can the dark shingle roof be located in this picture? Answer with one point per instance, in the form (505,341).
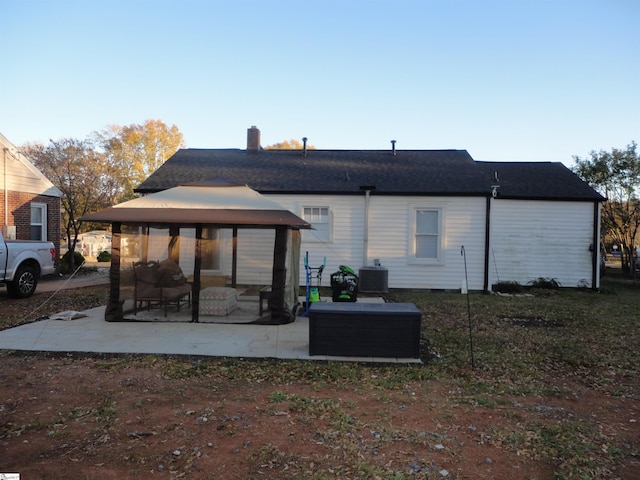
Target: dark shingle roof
(538,180)
(408,172)
(451,172)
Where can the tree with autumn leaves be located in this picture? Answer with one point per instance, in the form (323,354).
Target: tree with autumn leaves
(136,151)
(292,144)
(103,169)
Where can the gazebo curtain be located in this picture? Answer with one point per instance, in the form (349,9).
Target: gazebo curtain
(132,243)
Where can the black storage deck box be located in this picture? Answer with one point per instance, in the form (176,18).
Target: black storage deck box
(365,330)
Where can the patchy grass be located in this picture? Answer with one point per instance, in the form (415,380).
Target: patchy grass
(16,312)
(555,385)
(522,337)
(541,346)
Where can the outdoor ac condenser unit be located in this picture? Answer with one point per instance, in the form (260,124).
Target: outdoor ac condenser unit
(373,280)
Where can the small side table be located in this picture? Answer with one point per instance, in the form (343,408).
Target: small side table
(265,294)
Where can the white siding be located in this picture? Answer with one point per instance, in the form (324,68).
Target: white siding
(529,240)
(463,225)
(22,175)
(255,254)
(345,247)
(541,239)
(389,233)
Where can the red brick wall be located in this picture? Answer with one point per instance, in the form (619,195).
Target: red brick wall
(19,214)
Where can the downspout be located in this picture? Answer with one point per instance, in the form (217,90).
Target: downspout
(365,259)
(487,229)
(365,238)
(487,242)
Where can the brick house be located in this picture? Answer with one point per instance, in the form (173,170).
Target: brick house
(30,203)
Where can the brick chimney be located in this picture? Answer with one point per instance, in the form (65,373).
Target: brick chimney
(253,139)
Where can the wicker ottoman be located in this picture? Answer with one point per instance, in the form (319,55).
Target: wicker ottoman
(218,301)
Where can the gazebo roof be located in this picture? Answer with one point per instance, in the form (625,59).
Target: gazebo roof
(218,202)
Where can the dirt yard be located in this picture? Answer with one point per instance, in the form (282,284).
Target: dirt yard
(115,417)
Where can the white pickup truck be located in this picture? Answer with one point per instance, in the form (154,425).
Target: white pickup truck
(23,262)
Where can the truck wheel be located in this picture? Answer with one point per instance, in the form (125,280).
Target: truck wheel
(24,283)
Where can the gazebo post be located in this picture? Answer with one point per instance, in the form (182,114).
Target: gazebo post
(113,312)
(197,266)
(234,260)
(276,301)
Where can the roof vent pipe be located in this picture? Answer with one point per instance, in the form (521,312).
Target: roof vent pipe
(253,139)
(393,147)
(304,146)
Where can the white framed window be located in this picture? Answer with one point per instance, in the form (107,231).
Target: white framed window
(320,219)
(38,221)
(425,240)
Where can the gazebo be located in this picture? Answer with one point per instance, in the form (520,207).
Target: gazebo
(175,220)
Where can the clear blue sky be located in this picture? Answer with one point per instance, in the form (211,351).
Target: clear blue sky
(534,80)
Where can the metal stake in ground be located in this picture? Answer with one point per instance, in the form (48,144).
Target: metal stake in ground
(466,280)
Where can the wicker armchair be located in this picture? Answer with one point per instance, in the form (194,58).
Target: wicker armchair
(160,284)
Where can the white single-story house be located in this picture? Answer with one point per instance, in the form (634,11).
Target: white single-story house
(428,219)
(93,243)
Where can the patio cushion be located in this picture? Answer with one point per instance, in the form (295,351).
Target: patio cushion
(218,293)
(147,272)
(148,291)
(177,291)
(170,274)
(219,301)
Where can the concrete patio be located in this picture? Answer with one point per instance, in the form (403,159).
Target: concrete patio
(92,333)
